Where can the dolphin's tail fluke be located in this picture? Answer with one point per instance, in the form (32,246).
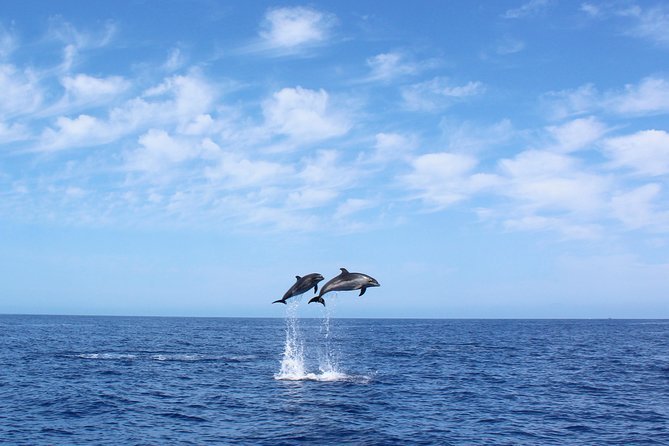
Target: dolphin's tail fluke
(318,299)
(280,300)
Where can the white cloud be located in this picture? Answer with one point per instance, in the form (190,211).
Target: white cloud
(311,198)
(303,114)
(64,31)
(189,152)
(175,60)
(576,134)
(237,172)
(159,151)
(190,95)
(200,125)
(646,152)
(386,66)
(84,130)
(325,170)
(651,24)
(438,93)
(322,178)
(291,28)
(76,40)
(442,179)
(352,206)
(591,9)
(650,96)
(7,43)
(531,8)
(391,146)
(75,192)
(86,89)
(13,132)
(469,137)
(509,45)
(563,226)
(179,100)
(21,92)
(566,103)
(637,208)
(541,181)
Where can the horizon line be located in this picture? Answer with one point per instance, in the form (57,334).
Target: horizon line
(335,317)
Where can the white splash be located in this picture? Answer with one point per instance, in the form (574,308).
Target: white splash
(323,376)
(106,356)
(292,363)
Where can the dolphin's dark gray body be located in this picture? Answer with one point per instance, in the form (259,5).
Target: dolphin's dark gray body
(302,285)
(346,282)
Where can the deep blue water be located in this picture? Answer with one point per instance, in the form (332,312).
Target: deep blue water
(135,380)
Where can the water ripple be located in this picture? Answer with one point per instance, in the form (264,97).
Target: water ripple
(88,380)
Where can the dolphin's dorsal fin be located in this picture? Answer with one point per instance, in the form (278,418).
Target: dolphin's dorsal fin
(362,291)
(344,270)
(298,277)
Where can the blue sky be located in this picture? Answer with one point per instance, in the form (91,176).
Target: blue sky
(480,159)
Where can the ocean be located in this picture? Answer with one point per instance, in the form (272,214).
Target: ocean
(72,380)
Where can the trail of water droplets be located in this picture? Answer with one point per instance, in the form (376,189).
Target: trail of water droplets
(329,360)
(292,363)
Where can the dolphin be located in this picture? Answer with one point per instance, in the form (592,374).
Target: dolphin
(302,285)
(346,281)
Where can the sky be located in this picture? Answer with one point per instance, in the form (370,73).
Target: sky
(480,159)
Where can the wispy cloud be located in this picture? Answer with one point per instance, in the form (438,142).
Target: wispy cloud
(438,93)
(76,40)
(531,8)
(7,43)
(645,152)
(396,64)
(651,24)
(509,45)
(235,171)
(21,91)
(473,137)
(391,147)
(641,208)
(175,60)
(650,96)
(576,134)
(13,132)
(386,66)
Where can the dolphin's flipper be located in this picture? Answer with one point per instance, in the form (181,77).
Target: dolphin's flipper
(362,291)
(318,299)
(315,288)
(280,300)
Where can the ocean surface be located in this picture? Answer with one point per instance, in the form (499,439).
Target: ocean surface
(75,380)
